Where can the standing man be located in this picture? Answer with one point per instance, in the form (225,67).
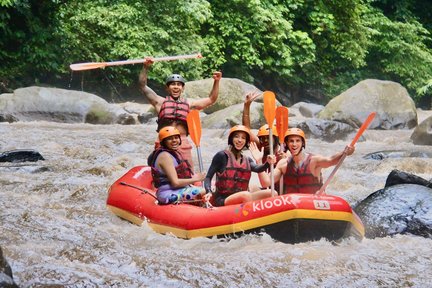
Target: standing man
(173,109)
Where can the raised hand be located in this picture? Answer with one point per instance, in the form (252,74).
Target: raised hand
(217,75)
(256,153)
(148,61)
(251,96)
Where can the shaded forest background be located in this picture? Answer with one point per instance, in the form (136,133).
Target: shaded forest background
(303,50)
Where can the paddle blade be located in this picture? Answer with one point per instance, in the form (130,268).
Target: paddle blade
(281,122)
(87,66)
(362,128)
(269,107)
(96,65)
(194,126)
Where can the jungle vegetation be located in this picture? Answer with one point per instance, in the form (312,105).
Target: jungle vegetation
(297,48)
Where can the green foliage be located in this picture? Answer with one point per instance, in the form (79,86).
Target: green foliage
(98,31)
(399,51)
(246,36)
(293,45)
(6,3)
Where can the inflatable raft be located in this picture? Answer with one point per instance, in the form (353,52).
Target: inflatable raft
(289,218)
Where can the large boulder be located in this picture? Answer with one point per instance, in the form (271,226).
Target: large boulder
(328,131)
(395,108)
(422,134)
(231,91)
(400,177)
(398,209)
(60,105)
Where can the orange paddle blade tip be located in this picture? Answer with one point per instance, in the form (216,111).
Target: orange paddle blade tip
(194,126)
(269,107)
(363,127)
(281,121)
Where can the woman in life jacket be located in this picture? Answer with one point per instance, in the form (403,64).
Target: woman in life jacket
(172,175)
(233,171)
(301,172)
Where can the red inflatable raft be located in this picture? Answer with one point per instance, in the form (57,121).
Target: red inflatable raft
(289,218)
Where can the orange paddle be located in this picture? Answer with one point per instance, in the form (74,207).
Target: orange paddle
(269,114)
(194,127)
(281,122)
(281,128)
(96,65)
(362,128)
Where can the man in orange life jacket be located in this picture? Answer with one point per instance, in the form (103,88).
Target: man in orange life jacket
(301,172)
(173,109)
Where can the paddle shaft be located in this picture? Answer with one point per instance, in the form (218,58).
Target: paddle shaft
(200,161)
(281,126)
(96,65)
(194,127)
(326,183)
(139,188)
(353,142)
(269,115)
(271,165)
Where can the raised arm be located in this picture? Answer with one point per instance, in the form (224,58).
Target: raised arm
(250,97)
(151,96)
(319,162)
(214,93)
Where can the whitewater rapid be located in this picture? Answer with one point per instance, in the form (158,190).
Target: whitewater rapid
(55,228)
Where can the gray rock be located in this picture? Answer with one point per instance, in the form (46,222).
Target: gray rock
(60,105)
(20,155)
(380,155)
(422,134)
(6,277)
(231,92)
(395,108)
(398,209)
(325,130)
(399,177)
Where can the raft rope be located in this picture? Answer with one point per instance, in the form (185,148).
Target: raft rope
(140,188)
(208,205)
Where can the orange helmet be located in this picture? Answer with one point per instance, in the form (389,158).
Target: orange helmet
(166,132)
(295,131)
(239,128)
(264,131)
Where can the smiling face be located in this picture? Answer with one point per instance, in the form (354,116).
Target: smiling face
(239,140)
(265,143)
(175,89)
(172,142)
(294,144)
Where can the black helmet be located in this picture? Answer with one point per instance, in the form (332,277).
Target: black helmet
(175,78)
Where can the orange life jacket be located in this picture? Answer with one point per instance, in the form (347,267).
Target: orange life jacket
(235,177)
(183,167)
(173,111)
(300,180)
